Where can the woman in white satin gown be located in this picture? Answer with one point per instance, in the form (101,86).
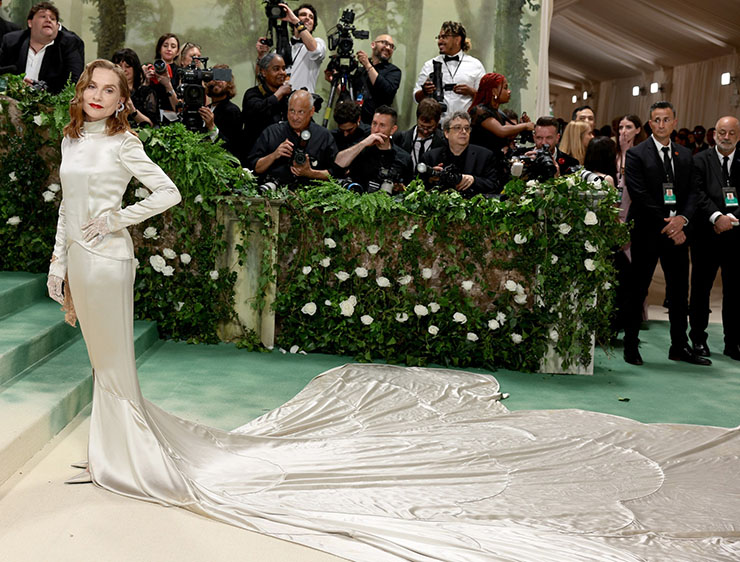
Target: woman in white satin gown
(369,462)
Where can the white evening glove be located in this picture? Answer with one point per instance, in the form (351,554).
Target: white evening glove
(54,285)
(96,229)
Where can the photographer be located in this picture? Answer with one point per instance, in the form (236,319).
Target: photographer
(462,166)
(426,134)
(460,73)
(349,129)
(308,52)
(375,162)
(143,103)
(546,133)
(266,103)
(222,114)
(283,154)
(162,75)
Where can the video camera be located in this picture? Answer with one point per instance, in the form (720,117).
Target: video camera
(340,40)
(193,94)
(446,178)
(540,166)
(277,30)
(274,11)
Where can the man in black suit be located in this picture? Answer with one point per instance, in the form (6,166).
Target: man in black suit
(44,51)
(715,245)
(426,134)
(6,27)
(546,133)
(658,178)
(475,163)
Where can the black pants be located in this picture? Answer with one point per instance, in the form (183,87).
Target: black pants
(649,246)
(709,252)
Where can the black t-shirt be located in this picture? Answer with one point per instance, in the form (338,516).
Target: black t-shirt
(380,93)
(373,166)
(228,119)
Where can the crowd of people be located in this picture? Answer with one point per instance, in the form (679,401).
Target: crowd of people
(677,186)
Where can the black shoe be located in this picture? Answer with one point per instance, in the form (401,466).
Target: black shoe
(632,355)
(684,353)
(702,350)
(733,351)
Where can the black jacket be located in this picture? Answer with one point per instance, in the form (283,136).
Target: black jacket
(478,162)
(405,139)
(708,182)
(63,60)
(228,119)
(380,93)
(6,27)
(260,109)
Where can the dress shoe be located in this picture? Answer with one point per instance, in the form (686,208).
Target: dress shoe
(81,478)
(632,355)
(684,353)
(733,351)
(702,350)
(79,464)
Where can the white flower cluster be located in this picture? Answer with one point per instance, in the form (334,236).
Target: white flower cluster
(151,233)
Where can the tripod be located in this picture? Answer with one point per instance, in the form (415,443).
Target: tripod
(341,84)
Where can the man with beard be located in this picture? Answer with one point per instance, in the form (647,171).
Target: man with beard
(222,115)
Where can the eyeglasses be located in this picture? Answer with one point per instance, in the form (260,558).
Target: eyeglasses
(458,128)
(446,36)
(388,44)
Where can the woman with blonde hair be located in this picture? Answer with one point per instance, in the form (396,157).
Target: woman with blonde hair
(576,136)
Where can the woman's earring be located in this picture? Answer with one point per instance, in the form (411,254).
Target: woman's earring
(120,108)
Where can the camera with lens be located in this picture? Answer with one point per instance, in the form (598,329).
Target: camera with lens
(192,92)
(299,151)
(270,184)
(384,181)
(350,185)
(341,41)
(446,178)
(540,166)
(274,11)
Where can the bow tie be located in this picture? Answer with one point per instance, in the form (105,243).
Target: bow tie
(448,58)
(294,41)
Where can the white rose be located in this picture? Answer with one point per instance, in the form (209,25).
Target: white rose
(459,317)
(590,218)
(342,275)
(554,336)
(309,308)
(433,306)
(294,349)
(306,269)
(532,183)
(136,263)
(510,285)
(168,270)
(48,196)
(433,330)
(361,272)
(142,193)
(169,253)
(179,305)
(325,262)
(554,259)
(570,181)
(185,258)
(405,280)
(157,262)
(607,285)
(214,274)
(55,187)
(516,338)
(519,239)
(401,317)
(590,265)
(38,119)
(467,285)
(353,300)
(373,249)
(150,232)
(519,288)
(426,273)
(13,221)
(366,319)
(327,302)
(520,298)
(590,247)
(472,336)
(347,308)
(12,176)
(329,243)
(420,310)
(198,198)
(407,234)
(501,317)
(564,228)
(493,325)
(383,282)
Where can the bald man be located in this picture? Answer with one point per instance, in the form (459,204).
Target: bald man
(716,178)
(378,78)
(277,154)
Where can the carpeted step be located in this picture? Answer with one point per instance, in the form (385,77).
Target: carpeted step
(19,289)
(44,398)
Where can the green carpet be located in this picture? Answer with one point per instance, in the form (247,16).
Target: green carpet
(226,387)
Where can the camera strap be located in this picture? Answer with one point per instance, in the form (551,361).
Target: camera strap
(459,64)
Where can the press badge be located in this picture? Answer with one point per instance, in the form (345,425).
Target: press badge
(730,194)
(669,194)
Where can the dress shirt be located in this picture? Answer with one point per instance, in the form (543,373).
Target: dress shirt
(34,60)
(418,144)
(716,214)
(659,147)
(469,70)
(305,68)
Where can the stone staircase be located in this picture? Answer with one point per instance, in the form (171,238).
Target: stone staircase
(45,374)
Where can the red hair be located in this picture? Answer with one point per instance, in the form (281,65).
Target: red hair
(488,85)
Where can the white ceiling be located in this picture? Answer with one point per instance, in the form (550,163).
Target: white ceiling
(595,40)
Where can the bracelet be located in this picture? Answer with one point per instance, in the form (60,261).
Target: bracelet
(172,93)
(133,114)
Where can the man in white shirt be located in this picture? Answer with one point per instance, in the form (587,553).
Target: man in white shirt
(461,73)
(308,51)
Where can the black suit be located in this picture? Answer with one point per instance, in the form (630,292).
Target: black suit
(476,161)
(6,27)
(63,60)
(405,139)
(710,251)
(566,163)
(645,175)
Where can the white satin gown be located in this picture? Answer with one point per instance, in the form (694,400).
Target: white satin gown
(376,462)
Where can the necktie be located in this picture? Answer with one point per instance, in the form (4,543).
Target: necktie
(667,163)
(448,58)
(726,170)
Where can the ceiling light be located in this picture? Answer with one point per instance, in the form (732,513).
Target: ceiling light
(654,87)
(635,91)
(585,95)
(725,79)
(574,99)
